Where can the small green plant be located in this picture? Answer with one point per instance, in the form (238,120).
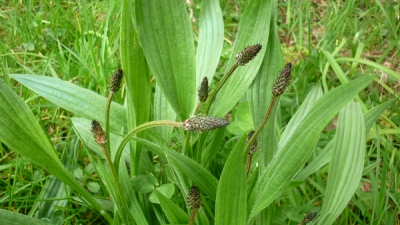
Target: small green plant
(158,157)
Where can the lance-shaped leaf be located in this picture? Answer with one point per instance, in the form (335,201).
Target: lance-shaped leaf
(73,98)
(20,131)
(230,205)
(166,37)
(254,28)
(295,152)
(260,95)
(347,162)
(211,38)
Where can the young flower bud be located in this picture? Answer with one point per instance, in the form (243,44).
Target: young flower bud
(247,54)
(310,217)
(115,81)
(98,133)
(204,123)
(282,81)
(194,198)
(203,90)
(254,146)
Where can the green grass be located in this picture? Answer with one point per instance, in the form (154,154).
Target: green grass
(330,43)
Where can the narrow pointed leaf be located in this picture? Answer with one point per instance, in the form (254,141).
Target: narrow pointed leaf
(231,202)
(260,95)
(346,164)
(211,38)
(73,98)
(254,28)
(13,218)
(172,211)
(292,156)
(165,33)
(20,131)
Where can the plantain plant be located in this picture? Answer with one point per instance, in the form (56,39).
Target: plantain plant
(159,145)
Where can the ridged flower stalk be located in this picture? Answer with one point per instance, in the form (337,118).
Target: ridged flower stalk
(100,138)
(280,86)
(114,85)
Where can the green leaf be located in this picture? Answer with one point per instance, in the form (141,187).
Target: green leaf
(167,190)
(144,183)
(346,164)
(172,211)
(324,157)
(260,94)
(166,36)
(20,131)
(231,202)
(292,156)
(211,39)
(254,28)
(73,98)
(13,218)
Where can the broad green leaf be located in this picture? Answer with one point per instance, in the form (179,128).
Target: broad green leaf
(231,202)
(254,28)
(346,164)
(73,98)
(20,131)
(163,111)
(137,77)
(292,156)
(324,157)
(211,39)
(304,109)
(13,218)
(260,95)
(166,36)
(172,211)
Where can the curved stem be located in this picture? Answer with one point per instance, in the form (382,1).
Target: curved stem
(137,130)
(107,114)
(219,86)
(259,129)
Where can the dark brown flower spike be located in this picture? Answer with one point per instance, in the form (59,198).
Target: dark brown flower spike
(115,81)
(203,90)
(204,123)
(98,133)
(310,217)
(245,56)
(282,81)
(254,146)
(194,199)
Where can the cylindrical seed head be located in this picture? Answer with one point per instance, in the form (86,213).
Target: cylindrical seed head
(203,90)
(310,217)
(115,81)
(254,146)
(282,81)
(194,198)
(204,123)
(247,54)
(98,133)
